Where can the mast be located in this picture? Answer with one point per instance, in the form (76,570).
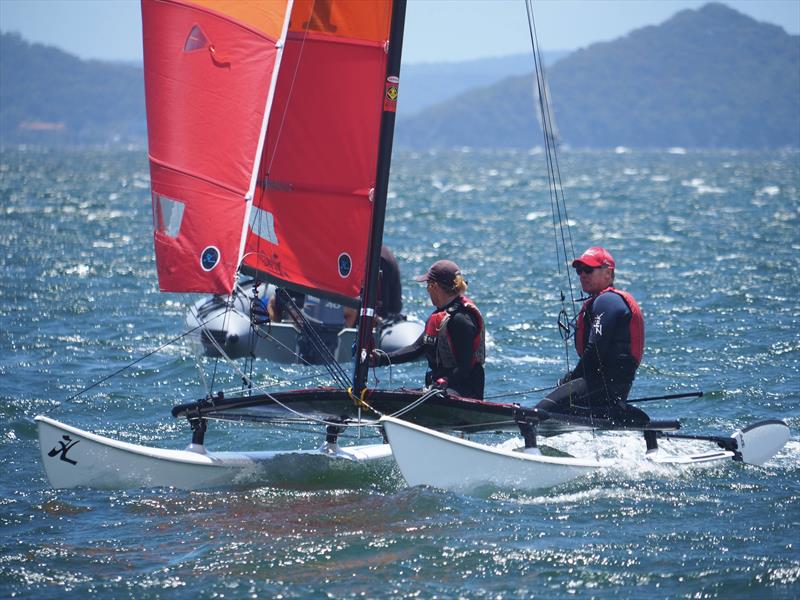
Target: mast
(369,295)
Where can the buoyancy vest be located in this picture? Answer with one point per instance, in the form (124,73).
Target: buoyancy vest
(635,328)
(438,339)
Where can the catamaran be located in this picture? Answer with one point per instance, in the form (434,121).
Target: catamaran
(278,169)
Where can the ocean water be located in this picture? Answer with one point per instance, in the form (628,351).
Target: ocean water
(709,243)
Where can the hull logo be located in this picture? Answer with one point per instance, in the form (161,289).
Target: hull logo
(63,449)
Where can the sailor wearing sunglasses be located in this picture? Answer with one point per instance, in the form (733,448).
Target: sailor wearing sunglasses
(609,339)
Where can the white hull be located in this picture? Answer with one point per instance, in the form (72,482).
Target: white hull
(95,461)
(428,457)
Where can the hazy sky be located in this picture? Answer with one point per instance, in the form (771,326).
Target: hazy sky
(436,30)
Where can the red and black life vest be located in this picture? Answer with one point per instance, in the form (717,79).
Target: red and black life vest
(436,334)
(635,329)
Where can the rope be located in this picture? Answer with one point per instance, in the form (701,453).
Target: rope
(522,393)
(130,364)
(329,360)
(562,233)
(563,246)
(360,401)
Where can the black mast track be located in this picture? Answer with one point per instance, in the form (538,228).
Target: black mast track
(369,297)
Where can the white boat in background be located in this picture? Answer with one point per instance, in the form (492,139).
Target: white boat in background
(224,324)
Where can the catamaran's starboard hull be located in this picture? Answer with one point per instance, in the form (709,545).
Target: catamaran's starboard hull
(76,458)
(427,457)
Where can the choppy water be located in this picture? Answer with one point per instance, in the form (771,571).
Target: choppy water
(708,243)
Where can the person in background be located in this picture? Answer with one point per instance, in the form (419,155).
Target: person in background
(454,338)
(282,302)
(390,301)
(390,294)
(609,340)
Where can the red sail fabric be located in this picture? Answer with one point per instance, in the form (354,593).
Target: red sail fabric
(310,222)
(207,77)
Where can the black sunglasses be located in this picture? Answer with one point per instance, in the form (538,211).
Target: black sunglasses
(583,269)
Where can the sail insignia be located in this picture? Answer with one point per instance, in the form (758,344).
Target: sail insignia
(209,258)
(345,265)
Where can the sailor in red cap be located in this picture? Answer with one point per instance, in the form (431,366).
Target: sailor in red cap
(454,336)
(609,339)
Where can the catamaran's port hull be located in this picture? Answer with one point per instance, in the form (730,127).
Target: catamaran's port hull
(76,458)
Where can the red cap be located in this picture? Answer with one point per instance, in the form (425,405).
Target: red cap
(595,257)
(442,271)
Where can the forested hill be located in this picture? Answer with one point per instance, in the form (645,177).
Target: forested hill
(710,77)
(50,97)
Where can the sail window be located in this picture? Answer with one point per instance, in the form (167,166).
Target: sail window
(196,40)
(262,223)
(167,215)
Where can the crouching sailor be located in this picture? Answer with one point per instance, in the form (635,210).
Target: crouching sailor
(609,341)
(453,340)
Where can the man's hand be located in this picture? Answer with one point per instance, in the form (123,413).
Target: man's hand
(565,379)
(374,358)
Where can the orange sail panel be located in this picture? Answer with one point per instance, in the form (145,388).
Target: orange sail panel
(310,222)
(208,68)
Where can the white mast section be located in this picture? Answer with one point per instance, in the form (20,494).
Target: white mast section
(280,44)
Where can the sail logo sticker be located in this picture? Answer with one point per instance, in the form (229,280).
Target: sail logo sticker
(209,258)
(345,265)
(391,93)
(66,444)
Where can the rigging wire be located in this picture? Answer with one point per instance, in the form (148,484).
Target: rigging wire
(336,370)
(130,364)
(562,234)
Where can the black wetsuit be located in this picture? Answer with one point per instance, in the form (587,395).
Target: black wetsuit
(390,302)
(467,377)
(599,384)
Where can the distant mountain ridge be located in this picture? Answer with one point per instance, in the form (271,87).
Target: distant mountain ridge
(423,85)
(50,97)
(710,77)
